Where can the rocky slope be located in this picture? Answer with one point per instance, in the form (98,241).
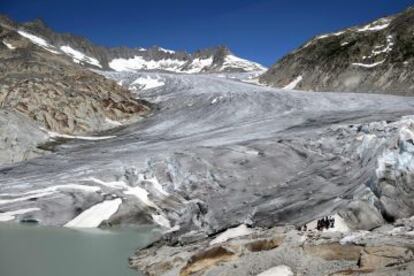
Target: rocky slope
(58,95)
(285,251)
(84,52)
(48,87)
(377,57)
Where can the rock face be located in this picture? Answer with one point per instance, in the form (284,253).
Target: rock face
(377,57)
(48,87)
(17,145)
(216,59)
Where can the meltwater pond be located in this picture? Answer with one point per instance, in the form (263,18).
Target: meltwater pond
(50,251)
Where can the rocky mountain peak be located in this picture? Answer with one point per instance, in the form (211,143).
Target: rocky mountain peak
(376,57)
(157,58)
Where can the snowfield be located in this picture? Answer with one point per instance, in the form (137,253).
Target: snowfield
(95,215)
(80,57)
(139,63)
(39,41)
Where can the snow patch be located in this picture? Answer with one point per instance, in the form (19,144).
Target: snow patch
(366,65)
(8,45)
(142,195)
(166,50)
(148,82)
(38,41)
(354,237)
(90,138)
(137,191)
(231,61)
(198,64)
(8,216)
(96,214)
(80,57)
(112,122)
(155,183)
(329,35)
(378,25)
(139,63)
(161,220)
(293,84)
(232,233)
(281,270)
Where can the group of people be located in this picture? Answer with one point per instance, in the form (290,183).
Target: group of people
(325,223)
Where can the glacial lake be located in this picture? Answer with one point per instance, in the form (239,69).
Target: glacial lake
(27,250)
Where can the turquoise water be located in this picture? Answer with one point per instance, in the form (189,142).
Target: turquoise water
(47,251)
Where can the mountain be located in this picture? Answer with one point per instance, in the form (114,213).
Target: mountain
(45,95)
(45,85)
(86,53)
(46,77)
(377,57)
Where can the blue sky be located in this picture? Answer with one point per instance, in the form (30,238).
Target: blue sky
(262,31)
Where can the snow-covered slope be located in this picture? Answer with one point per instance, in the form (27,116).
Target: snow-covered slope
(218,59)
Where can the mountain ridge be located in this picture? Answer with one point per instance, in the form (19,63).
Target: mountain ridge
(376,58)
(213,59)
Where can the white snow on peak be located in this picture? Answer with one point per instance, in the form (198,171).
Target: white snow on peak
(166,50)
(35,39)
(378,25)
(148,82)
(368,65)
(329,35)
(322,37)
(293,84)
(198,64)
(95,215)
(38,41)
(139,63)
(8,216)
(8,45)
(236,62)
(80,57)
